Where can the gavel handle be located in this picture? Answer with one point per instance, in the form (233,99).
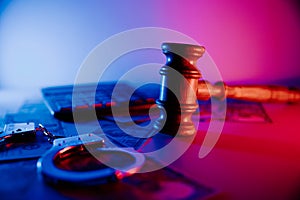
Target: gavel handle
(256,93)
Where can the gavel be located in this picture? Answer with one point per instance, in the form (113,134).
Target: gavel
(181,87)
(254,93)
(179,84)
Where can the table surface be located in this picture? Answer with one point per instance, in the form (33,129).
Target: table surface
(250,161)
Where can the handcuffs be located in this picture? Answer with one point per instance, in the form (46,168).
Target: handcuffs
(18,132)
(78,160)
(83,160)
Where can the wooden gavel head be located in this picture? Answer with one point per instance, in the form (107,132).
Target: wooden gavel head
(178,94)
